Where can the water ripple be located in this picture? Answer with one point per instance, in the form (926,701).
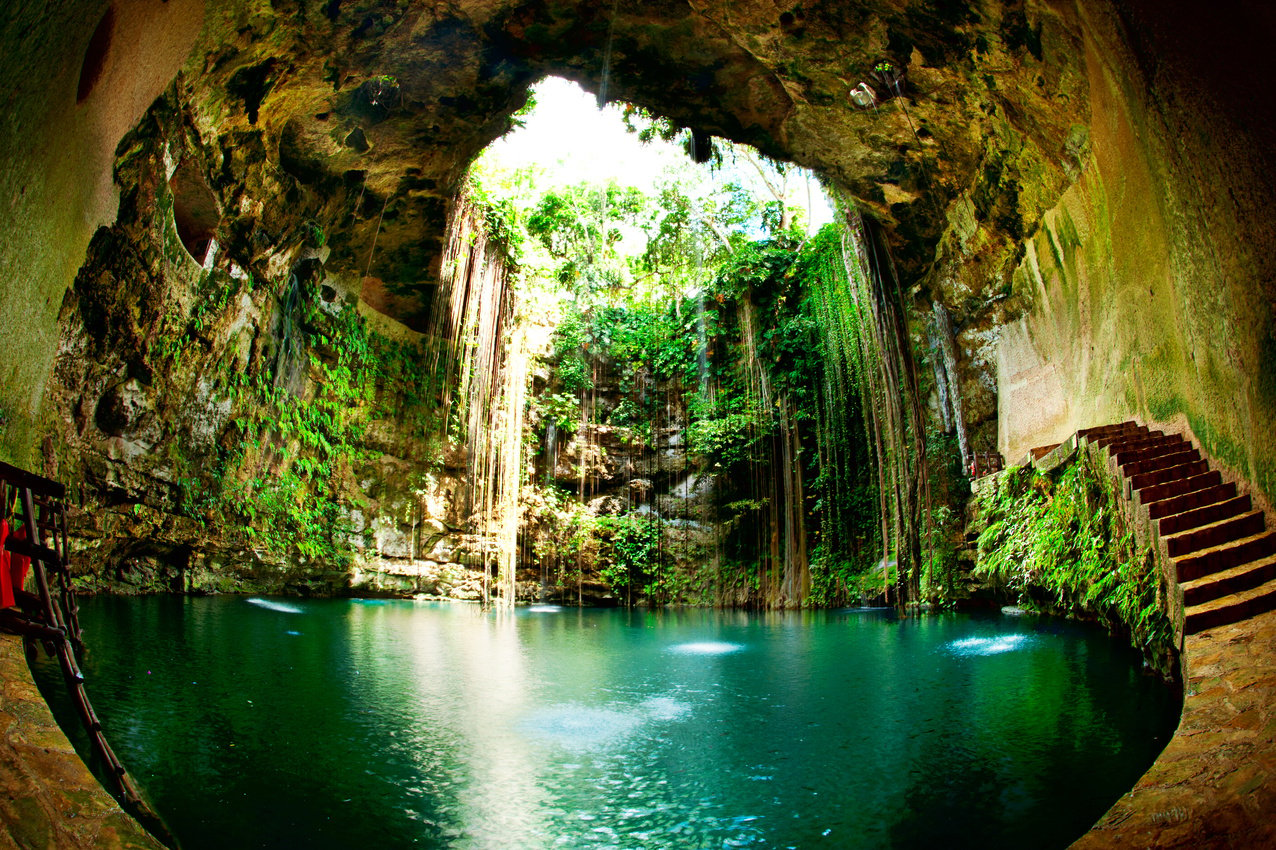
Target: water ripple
(580,727)
(281,607)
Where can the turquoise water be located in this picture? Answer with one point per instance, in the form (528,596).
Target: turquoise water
(333,724)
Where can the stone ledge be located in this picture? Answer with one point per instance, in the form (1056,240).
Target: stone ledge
(48,797)
(1215,783)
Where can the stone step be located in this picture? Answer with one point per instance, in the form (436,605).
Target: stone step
(1225,556)
(1187,502)
(1126,448)
(1108,429)
(1156,448)
(1204,515)
(1163,461)
(1169,473)
(1041,451)
(1215,534)
(1169,489)
(1230,609)
(1227,582)
(1105,430)
(1115,442)
(1142,439)
(1124,434)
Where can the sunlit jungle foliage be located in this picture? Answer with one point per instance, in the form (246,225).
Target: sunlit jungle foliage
(740,362)
(1059,543)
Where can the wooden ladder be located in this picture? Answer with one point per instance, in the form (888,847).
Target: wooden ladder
(50,615)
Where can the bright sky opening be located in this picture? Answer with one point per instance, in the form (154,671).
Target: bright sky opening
(569,140)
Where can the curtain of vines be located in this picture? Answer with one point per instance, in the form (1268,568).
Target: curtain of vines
(862,316)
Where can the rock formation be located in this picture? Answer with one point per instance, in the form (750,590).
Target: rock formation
(1082,185)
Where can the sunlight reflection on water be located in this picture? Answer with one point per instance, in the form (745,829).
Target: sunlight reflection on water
(988,645)
(706,647)
(580,727)
(281,607)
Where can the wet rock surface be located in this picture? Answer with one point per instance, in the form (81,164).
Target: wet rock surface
(48,798)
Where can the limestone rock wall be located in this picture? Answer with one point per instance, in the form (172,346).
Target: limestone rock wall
(241,424)
(1151,282)
(1036,165)
(74,81)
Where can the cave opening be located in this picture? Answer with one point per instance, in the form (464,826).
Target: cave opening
(651,388)
(195,211)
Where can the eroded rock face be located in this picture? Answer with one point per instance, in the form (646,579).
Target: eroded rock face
(184,396)
(363,116)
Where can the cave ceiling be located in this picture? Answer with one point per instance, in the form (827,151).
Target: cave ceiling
(361,117)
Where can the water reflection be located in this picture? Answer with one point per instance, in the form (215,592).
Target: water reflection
(271,605)
(706,647)
(420,724)
(579,727)
(988,645)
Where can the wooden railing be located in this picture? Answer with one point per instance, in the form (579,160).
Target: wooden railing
(33,528)
(985,463)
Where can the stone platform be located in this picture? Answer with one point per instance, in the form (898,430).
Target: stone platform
(1214,786)
(48,798)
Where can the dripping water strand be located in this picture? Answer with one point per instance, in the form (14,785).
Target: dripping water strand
(375,234)
(604,88)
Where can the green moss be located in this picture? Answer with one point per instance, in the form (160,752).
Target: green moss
(1265,374)
(1054,248)
(1217,446)
(1057,255)
(1060,544)
(1164,408)
(1069,236)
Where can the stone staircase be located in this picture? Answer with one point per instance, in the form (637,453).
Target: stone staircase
(1218,546)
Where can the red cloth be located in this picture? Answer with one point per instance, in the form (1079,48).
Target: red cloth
(19,564)
(6,580)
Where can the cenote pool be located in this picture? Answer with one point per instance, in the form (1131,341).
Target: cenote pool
(337,723)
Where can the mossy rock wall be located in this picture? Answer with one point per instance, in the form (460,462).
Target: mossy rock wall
(239,425)
(1151,284)
(74,82)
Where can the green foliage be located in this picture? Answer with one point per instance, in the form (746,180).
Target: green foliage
(648,125)
(564,534)
(313,232)
(561,409)
(278,479)
(580,227)
(631,563)
(1064,546)
(949,491)
(675,302)
(502,219)
(570,343)
(731,434)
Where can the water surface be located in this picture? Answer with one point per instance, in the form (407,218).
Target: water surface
(265,723)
